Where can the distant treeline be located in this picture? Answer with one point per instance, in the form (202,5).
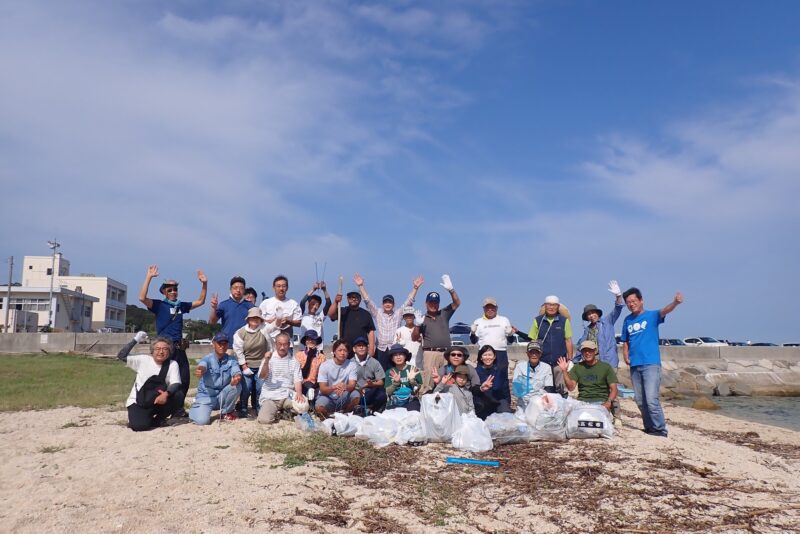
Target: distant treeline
(141,319)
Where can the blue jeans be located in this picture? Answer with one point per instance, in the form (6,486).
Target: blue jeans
(251,389)
(201,409)
(646,381)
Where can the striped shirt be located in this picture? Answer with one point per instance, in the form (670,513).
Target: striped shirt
(284,372)
(386,324)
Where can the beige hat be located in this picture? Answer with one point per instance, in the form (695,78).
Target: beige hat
(588,344)
(254,312)
(489,301)
(551,299)
(562,310)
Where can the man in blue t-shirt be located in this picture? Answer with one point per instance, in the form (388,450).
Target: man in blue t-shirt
(641,353)
(169,317)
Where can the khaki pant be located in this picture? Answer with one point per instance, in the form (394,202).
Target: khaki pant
(269,409)
(431,359)
(558,380)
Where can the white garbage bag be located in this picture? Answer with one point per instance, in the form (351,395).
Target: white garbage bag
(507,428)
(412,430)
(440,416)
(589,421)
(346,424)
(547,417)
(379,431)
(472,435)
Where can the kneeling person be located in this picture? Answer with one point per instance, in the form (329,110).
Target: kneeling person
(337,383)
(218,386)
(152,411)
(370,377)
(282,389)
(596,380)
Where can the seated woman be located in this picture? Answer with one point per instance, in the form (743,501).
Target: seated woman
(459,385)
(454,356)
(403,381)
(533,377)
(493,396)
(310,360)
(218,386)
(144,414)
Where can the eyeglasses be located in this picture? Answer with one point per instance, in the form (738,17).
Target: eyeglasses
(171,288)
(456,355)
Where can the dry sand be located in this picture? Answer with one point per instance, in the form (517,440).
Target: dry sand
(711,474)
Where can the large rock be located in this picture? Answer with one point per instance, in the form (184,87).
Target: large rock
(669,365)
(766,364)
(722,390)
(694,370)
(740,389)
(704,403)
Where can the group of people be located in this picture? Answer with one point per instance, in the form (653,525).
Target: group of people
(383,356)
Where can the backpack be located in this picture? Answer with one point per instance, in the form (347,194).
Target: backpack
(153,387)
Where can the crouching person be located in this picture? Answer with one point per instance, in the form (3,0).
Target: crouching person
(595,379)
(218,386)
(404,381)
(156,393)
(337,383)
(369,379)
(282,386)
(460,386)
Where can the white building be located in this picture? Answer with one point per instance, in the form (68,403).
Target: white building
(73,309)
(109,313)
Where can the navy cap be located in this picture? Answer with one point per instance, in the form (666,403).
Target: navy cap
(388,298)
(353,294)
(433,296)
(360,339)
(221,337)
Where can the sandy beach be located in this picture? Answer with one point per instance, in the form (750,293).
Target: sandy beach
(73,468)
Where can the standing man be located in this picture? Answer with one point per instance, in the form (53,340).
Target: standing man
(435,332)
(601,329)
(387,319)
(554,333)
(169,318)
(314,319)
(356,321)
(640,351)
(231,311)
(492,329)
(283,313)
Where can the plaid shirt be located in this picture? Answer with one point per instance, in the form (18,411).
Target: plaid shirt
(386,324)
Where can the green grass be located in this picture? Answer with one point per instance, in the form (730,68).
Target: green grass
(42,381)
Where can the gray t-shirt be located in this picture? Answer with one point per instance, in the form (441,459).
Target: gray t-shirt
(331,373)
(371,370)
(435,332)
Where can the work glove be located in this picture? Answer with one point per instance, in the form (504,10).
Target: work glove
(246,371)
(613,287)
(419,318)
(140,336)
(446,283)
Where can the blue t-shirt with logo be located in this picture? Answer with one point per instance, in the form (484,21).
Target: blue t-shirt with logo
(169,318)
(641,333)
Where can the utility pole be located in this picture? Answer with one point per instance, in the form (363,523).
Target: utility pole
(53,245)
(8,290)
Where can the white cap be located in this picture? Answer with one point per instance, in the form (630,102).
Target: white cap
(551,299)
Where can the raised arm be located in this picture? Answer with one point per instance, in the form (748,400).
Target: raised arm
(415,285)
(672,305)
(126,350)
(204,287)
(448,285)
(212,315)
(332,311)
(152,272)
(359,281)
(327,295)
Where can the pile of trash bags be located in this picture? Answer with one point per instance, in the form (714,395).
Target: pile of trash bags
(548,417)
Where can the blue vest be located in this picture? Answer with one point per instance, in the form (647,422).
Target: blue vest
(552,338)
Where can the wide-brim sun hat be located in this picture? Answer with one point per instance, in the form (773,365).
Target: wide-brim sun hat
(398,349)
(589,308)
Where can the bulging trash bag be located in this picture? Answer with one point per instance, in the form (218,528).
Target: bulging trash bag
(306,423)
(547,417)
(472,435)
(507,428)
(412,430)
(440,416)
(379,431)
(589,421)
(346,424)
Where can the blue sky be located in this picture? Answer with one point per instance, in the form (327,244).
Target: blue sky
(526,148)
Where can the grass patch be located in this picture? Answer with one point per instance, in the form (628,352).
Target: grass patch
(73,424)
(43,381)
(52,449)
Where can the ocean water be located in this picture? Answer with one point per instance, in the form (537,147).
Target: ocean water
(776,411)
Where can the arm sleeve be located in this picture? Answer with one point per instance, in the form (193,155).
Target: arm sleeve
(567,329)
(185,307)
(302,303)
(327,306)
(124,351)
(572,374)
(173,378)
(615,313)
(373,310)
(380,374)
(238,348)
(296,313)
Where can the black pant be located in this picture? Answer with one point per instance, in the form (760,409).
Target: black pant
(140,418)
(179,355)
(486,404)
(383,359)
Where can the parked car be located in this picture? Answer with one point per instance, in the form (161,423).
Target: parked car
(737,343)
(791,345)
(671,342)
(202,341)
(704,342)
(763,345)
(459,332)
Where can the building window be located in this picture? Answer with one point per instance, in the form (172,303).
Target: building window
(49,271)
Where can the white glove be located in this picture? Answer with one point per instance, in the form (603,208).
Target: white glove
(613,287)
(140,336)
(446,283)
(247,371)
(419,318)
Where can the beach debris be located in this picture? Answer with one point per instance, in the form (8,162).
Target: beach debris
(472,461)
(704,403)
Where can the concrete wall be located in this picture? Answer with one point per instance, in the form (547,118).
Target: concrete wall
(692,354)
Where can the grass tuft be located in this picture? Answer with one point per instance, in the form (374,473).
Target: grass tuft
(52,449)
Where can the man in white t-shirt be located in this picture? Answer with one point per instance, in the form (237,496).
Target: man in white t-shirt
(337,383)
(492,329)
(404,336)
(282,389)
(284,313)
(169,402)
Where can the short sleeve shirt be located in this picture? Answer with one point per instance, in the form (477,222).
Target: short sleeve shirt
(594,382)
(169,318)
(145,367)
(332,373)
(641,333)
(435,331)
(288,308)
(371,370)
(233,315)
(356,323)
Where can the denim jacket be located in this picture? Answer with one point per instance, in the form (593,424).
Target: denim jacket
(606,342)
(218,375)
